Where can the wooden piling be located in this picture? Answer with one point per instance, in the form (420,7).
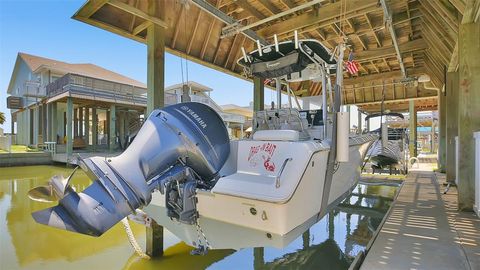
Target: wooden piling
(69,131)
(155,60)
(154,240)
(155,99)
(469,111)
(113,130)
(451,87)
(258,94)
(442,127)
(413,128)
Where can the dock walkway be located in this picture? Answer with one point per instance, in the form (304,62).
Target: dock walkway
(423,230)
(62,157)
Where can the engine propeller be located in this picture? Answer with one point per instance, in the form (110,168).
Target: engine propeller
(54,190)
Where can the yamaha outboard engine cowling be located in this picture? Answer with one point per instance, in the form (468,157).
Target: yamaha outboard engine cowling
(179,142)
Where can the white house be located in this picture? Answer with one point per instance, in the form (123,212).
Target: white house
(47,98)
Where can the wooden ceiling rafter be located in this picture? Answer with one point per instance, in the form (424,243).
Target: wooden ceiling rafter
(427,41)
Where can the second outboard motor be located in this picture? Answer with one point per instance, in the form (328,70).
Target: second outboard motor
(186,144)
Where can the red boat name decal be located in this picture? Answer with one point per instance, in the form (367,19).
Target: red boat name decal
(266,152)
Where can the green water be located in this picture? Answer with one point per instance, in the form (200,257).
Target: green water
(332,243)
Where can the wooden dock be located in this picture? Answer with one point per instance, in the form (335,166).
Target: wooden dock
(62,157)
(424,230)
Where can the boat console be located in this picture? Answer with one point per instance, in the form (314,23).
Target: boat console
(307,124)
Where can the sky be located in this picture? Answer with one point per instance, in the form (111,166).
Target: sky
(45,28)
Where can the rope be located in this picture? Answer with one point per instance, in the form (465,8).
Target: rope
(133,241)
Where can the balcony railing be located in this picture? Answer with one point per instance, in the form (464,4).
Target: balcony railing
(33,89)
(234,118)
(117,92)
(97,89)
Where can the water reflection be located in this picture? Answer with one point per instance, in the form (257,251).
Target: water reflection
(331,243)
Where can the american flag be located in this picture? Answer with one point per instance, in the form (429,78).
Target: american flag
(267,81)
(351,65)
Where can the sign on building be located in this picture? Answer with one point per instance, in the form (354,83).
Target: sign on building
(14,102)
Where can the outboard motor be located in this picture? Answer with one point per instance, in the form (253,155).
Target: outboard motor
(179,148)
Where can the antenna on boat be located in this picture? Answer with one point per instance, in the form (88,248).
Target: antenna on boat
(324,75)
(259,46)
(275,38)
(245,57)
(295,34)
(289,96)
(278,86)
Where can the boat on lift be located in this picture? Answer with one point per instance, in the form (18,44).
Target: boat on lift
(185,174)
(389,150)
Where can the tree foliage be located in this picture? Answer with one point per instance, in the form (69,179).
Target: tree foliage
(2,118)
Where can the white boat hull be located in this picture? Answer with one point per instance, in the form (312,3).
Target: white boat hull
(245,218)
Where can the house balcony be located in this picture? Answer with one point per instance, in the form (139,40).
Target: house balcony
(84,87)
(96,89)
(33,89)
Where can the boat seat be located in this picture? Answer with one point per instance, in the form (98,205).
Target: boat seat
(254,177)
(252,186)
(276,135)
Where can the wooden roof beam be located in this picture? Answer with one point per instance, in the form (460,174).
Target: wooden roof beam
(374,66)
(132,23)
(137,12)
(429,7)
(177,27)
(139,28)
(351,24)
(360,65)
(453,63)
(459,5)
(364,45)
(230,51)
(224,18)
(325,13)
(209,33)
(387,65)
(440,25)
(398,19)
(250,9)
(435,46)
(90,8)
(383,76)
(270,6)
(444,12)
(237,55)
(387,14)
(192,37)
(379,43)
(288,3)
(470,13)
(414,45)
